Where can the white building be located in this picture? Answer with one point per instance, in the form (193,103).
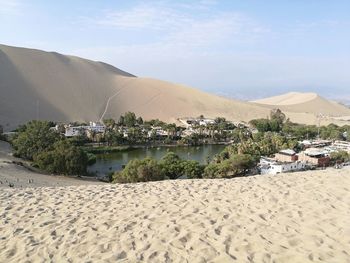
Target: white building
(71,131)
(342,146)
(157,131)
(270,166)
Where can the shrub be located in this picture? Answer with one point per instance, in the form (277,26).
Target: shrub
(236,165)
(192,169)
(171,165)
(139,171)
(339,157)
(33,138)
(64,158)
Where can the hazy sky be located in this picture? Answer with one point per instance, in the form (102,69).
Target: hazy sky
(242,49)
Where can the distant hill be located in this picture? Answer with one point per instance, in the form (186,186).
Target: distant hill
(36,84)
(305,103)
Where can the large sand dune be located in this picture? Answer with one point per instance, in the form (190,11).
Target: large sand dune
(305,103)
(46,85)
(299,217)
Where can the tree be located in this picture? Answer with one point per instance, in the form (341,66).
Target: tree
(171,165)
(339,157)
(63,158)
(139,121)
(262,125)
(139,171)
(33,138)
(192,169)
(121,121)
(236,165)
(277,115)
(114,137)
(129,119)
(109,123)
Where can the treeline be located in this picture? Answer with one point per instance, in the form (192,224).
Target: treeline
(173,167)
(279,124)
(50,151)
(138,131)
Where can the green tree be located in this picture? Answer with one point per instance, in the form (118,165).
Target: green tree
(278,115)
(33,138)
(262,125)
(110,124)
(63,158)
(139,121)
(339,157)
(171,165)
(114,137)
(139,171)
(129,119)
(236,165)
(192,169)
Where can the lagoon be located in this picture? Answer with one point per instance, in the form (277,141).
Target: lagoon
(115,161)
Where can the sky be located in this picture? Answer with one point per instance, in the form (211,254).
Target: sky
(244,49)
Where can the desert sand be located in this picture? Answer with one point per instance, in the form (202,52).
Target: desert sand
(47,85)
(297,217)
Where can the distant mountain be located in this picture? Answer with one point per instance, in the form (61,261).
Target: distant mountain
(46,85)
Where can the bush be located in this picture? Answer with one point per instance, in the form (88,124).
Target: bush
(33,138)
(171,165)
(64,158)
(236,165)
(139,171)
(339,157)
(192,169)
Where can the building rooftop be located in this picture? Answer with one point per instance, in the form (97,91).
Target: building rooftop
(287,152)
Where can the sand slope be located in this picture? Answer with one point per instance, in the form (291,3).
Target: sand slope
(49,85)
(305,103)
(46,85)
(299,217)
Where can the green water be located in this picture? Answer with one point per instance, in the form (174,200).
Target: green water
(115,161)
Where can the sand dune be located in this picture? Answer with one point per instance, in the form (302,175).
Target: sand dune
(296,102)
(299,217)
(47,85)
(290,98)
